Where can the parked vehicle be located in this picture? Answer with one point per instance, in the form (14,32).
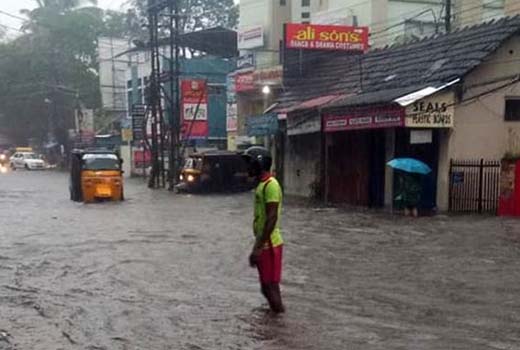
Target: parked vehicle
(26,160)
(215,171)
(96,175)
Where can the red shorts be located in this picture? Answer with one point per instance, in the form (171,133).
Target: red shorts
(270,265)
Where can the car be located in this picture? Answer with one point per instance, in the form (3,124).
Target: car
(26,160)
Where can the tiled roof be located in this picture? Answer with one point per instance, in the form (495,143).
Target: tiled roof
(382,75)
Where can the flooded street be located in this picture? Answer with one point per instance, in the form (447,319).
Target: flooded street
(163,271)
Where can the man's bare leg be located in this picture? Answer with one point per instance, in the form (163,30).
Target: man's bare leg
(276,298)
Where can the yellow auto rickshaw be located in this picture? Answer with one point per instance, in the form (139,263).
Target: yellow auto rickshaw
(96,176)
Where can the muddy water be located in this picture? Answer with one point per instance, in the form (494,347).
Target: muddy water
(170,272)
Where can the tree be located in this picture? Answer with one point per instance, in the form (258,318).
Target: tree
(200,14)
(43,72)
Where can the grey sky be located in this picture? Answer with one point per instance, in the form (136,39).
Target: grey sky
(14,7)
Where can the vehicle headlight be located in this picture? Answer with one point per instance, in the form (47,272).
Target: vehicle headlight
(191,178)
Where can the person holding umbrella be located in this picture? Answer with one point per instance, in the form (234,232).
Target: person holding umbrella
(410,183)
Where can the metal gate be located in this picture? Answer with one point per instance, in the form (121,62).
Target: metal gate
(474,186)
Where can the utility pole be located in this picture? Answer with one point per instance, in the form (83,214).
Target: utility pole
(447,20)
(174,89)
(154,91)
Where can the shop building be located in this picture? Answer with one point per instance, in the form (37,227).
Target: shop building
(445,98)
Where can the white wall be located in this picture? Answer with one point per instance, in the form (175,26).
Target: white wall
(480,129)
(297,9)
(271,16)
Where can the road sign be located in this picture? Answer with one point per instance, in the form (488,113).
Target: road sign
(138,122)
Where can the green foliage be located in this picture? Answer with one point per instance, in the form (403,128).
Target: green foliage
(200,14)
(43,71)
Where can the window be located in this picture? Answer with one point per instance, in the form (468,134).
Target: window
(512,109)
(306,3)
(306,15)
(283,2)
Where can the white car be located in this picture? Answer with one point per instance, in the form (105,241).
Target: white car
(26,160)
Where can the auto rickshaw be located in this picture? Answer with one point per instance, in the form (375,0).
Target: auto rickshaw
(96,176)
(215,171)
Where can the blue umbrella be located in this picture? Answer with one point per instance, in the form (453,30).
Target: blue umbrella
(410,165)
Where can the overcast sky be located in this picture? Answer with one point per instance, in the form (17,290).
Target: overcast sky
(14,7)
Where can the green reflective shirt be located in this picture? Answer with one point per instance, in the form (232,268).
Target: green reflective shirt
(268,191)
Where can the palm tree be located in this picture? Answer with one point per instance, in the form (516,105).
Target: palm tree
(64,5)
(47,11)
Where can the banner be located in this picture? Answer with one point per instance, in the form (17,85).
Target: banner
(244,82)
(232,114)
(326,37)
(194,109)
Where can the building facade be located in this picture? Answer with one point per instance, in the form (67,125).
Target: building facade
(397,21)
(417,100)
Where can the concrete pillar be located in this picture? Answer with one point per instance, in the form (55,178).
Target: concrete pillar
(443,174)
(511,7)
(389,173)
(126,156)
(467,12)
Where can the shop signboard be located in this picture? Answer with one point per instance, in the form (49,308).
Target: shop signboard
(436,111)
(244,82)
(250,37)
(369,118)
(326,37)
(268,76)
(232,114)
(194,109)
(262,125)
(246,61)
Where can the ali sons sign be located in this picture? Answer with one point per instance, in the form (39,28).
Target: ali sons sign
(325,37)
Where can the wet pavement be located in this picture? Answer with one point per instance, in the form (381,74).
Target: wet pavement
(163,271)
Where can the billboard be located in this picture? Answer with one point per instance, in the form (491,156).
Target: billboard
(250,38)
(194,109)
(326,37)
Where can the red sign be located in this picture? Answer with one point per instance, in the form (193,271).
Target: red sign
(325,37)
(374,118)
(194,109)
(244,82)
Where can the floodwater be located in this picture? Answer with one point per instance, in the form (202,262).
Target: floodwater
(164,271)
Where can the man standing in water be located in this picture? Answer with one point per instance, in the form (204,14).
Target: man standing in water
(268,248)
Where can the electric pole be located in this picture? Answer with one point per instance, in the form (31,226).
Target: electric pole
(175,108)
(447,20)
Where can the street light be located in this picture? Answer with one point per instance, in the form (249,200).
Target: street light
(266,90)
